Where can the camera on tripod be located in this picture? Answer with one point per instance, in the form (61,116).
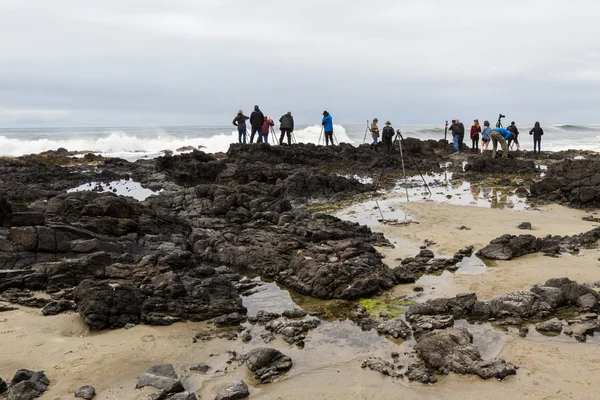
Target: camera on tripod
(499,123)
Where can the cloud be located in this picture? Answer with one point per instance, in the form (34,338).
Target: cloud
(196,62)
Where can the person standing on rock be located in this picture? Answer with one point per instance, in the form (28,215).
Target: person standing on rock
(327,123)
(454,129)
(257,119)
(500,135)
(286,127)
(537,133)
(240,122)
(486,135)
(475,131)
(515,135)
(388,136)
(374,132)
(461,134)
(266,128)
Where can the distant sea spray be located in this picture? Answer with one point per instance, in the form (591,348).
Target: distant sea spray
(143,142)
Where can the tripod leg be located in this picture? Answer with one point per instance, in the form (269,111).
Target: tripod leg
(416,166)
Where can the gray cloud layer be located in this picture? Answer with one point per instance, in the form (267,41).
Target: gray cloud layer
(184,62)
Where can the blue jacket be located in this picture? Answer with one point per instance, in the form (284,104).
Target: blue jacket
(487,131)
(506,134)
(328,123)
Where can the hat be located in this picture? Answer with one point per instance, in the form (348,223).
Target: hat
(388,123)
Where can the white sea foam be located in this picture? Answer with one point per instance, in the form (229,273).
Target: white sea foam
(131,147)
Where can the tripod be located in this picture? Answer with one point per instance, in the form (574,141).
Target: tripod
(400,142)
(366,130)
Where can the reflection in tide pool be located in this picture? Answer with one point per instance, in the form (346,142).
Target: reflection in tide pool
(445,190)
(373,213)
(121,188)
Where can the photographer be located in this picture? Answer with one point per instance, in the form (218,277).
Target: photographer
(515,135)
(388,136)
(458,134)
(500,135)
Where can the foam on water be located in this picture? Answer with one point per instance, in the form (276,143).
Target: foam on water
(131,147)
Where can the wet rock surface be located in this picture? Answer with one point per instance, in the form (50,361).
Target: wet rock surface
(452,350)
(237,390)
(267,364)
(507,247)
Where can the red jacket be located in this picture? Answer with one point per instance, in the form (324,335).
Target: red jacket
(475,130)
(266,125)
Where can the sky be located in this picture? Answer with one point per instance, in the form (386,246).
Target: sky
(196,62)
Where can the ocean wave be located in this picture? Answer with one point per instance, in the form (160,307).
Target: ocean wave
(131,147)
(569,127)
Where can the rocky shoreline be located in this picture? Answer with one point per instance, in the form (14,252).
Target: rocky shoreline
(180,255)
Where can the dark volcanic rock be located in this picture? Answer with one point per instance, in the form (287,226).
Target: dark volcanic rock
(525,225)
(577,182)
(382,366)
(57,307)
(27,385)
(161,377)
(507,247)
(267,364)
(85,392)
(394,327)
(237,390)
(452,350)
(3,386)
(500,166)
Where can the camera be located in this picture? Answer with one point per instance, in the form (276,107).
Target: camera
(501,116)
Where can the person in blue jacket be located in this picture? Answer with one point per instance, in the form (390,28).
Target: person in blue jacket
(500,135)
(327,128)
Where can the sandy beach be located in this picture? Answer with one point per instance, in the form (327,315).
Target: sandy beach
(329,367)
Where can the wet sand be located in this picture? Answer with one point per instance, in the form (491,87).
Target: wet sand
(329,366)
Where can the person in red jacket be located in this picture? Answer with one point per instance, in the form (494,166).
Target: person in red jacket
(266,127)
(475,131)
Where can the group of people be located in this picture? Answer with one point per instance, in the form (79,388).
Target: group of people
(387,134)
(261,125)
(506,137)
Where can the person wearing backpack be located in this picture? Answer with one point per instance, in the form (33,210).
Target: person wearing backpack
(486,136)
(388,136)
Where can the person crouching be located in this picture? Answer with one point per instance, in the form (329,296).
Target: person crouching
(500,135)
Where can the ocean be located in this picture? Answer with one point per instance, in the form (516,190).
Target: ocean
(133,143)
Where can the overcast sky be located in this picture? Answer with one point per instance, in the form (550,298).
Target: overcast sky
(196,62)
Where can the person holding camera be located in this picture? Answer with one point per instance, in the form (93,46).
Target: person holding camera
(327,123)
(515,135)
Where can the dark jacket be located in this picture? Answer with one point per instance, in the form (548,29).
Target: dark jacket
(240,122)
(257,118)
(537,131)
(457,129)
(287,122)
(513,129)
(388,133)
